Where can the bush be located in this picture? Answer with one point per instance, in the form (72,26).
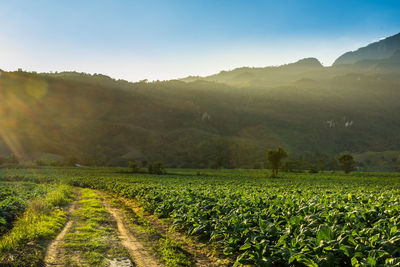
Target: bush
(156,168)
(313,169)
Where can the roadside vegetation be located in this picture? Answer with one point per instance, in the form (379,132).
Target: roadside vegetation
(25,243)
(14,197)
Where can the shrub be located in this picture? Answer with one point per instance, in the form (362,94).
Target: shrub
(158,168)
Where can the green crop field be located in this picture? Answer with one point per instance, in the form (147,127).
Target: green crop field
(13,200)
(326,219)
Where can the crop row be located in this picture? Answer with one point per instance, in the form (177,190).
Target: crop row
(312,220)
(315,224)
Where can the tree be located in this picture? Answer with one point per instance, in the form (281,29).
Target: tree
(347,162)
(218,162)
(133,166)
(275,157)
(158,168)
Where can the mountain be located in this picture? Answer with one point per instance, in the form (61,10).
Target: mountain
(270,76)
(310,110)
(379,50)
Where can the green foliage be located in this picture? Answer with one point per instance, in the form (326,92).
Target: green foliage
(41,221)
(218,162)
(93,234)
(347,162)
(275,158)
(158,168)
(14,198)
(133,166)
(294,166)
(317,220)
(322,219)
(171,253)
(198,121)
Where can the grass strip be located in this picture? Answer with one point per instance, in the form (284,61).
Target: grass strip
(25,244)
(93,239)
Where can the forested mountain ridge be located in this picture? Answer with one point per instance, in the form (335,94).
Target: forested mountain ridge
(304,107)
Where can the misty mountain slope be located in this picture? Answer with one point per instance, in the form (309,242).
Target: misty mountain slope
(379,50)
(238,114)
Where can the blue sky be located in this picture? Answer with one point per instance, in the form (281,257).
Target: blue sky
(162,39)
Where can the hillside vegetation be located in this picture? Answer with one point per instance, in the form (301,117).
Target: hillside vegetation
(239,114)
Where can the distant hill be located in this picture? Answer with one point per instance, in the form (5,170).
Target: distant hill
(268,76)
(379,50)
(310,110)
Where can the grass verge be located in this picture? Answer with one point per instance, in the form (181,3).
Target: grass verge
(25,244)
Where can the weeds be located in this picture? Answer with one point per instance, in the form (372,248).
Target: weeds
(23,245)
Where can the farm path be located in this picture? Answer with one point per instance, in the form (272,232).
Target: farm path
(55,254)
(140,255)
(92,236)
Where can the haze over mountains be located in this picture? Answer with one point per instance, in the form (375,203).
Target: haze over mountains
(239,114)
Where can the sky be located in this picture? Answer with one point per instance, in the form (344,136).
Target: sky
(168,39)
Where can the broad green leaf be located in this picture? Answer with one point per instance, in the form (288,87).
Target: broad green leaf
(325,233)
(245,246)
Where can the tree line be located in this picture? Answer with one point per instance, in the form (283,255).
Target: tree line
(276,159)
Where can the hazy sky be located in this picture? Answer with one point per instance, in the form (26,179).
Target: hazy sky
(165,39)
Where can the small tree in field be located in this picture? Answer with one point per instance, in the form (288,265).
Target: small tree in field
(158,168)
(133,166)
(218,162)
(347,162)
(275,158)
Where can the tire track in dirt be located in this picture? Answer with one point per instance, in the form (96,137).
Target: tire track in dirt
(139,254)
(199,253)
(54,255)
